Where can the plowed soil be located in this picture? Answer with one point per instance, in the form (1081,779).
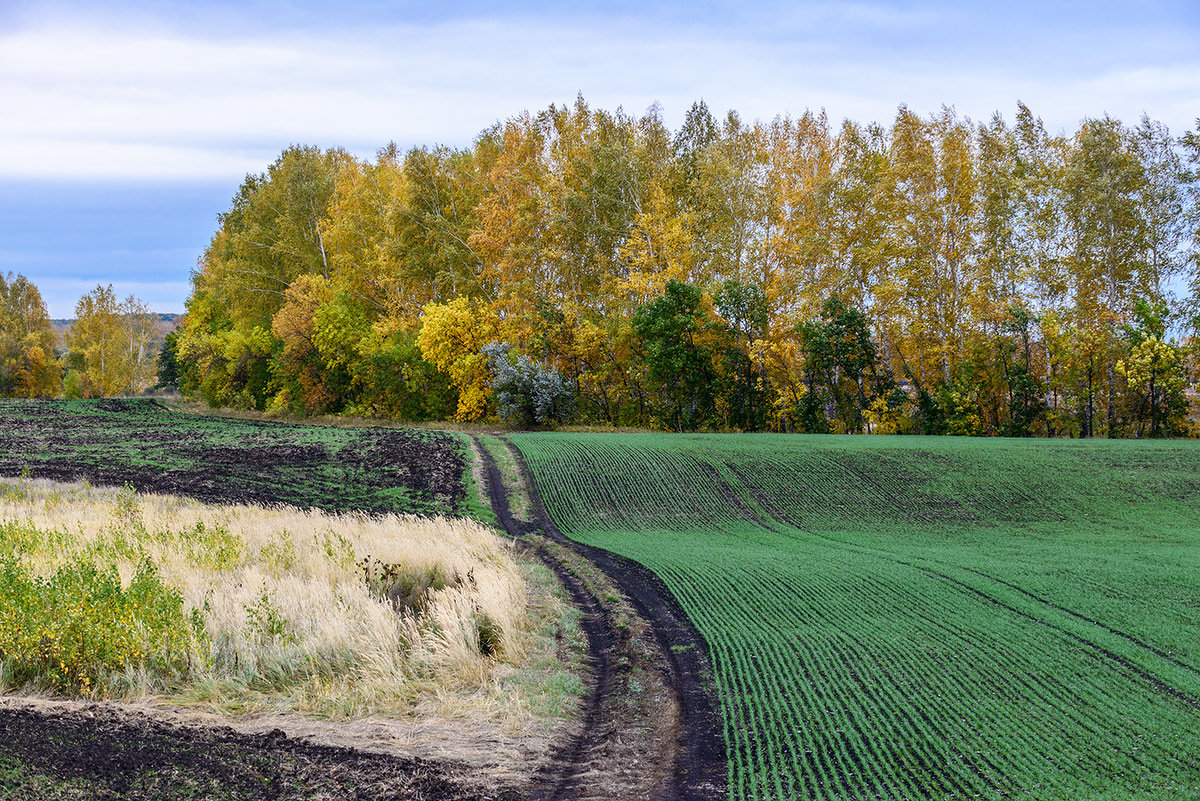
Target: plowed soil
(218,460)
(101,752)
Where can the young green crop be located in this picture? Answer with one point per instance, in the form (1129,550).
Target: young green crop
(919,618)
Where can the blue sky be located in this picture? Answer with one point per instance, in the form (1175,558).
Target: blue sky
(125,128)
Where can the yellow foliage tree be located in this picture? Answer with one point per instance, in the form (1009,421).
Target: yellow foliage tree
(114,338)
(658,250)
(1153,367)
(452,338)
(28,368)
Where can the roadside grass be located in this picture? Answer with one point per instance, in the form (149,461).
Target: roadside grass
(477,502)
(257,609)
(914,618)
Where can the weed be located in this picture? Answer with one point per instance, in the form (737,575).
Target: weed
(70,630)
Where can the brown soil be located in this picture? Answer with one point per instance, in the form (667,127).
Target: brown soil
(100,751)
(140,442)
(650,724)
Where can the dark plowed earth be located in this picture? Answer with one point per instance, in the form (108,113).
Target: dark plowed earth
(695,753)
(104,753)
(218,460)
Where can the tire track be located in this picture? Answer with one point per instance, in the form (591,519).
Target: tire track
(691,761)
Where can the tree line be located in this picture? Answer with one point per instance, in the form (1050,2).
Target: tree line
(112,347)
(935,275)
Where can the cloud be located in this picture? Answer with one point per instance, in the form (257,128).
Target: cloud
(31,156)
(84,100)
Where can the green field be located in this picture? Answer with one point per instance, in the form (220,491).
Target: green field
(919,618)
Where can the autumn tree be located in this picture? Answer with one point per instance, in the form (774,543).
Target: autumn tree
(1103,182)
(1154,371)
(1190,179)
(452,339)
(270,236)
(114,341)
(665,274)
(28,363)
(309,386)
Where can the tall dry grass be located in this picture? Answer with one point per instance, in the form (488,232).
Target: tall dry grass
(334,615)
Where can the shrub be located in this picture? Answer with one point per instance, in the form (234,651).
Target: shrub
(528,394)
(76,627)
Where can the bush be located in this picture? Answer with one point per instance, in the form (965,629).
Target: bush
(528,394)
(73,629)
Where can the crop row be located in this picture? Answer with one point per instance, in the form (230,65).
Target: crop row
(849,668)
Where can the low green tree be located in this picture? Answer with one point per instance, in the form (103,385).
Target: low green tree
(840,365)
(168,363)
(746,391)
(678,340)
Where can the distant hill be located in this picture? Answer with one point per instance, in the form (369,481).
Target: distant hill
(166,324)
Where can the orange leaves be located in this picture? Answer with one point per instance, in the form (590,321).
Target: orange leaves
(295,326)
(295,321)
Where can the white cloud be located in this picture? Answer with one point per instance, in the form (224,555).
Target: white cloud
(94,102)
(34,156)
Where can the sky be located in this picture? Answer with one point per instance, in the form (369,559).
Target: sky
(127,127)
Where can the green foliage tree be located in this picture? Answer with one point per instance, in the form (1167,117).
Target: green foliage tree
(677,337)
(1026,396)
(168,363)
(840,363)
(746,388)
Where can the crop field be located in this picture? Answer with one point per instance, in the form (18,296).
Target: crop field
(936,618)
(221,460)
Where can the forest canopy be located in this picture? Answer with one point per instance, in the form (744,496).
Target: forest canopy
(936,275)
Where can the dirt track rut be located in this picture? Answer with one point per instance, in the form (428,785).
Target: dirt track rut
(650,726)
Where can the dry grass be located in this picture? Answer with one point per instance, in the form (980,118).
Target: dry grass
(332,616)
